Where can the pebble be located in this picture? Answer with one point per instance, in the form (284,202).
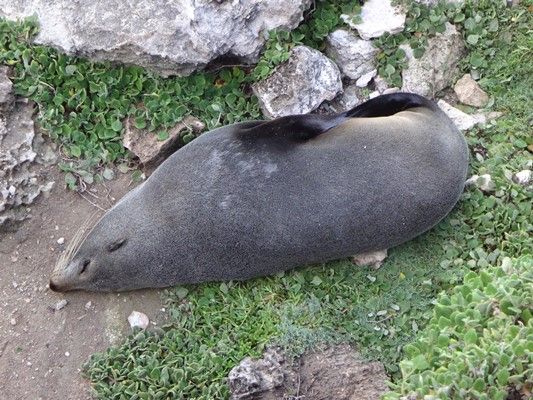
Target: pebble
(67,354)
(61,240)
(138,319)
(60,304)
(88,305)
(13,321)
(523,177)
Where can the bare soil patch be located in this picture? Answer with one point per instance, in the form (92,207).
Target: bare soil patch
(42,349)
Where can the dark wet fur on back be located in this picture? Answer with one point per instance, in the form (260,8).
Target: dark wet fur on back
(298,128)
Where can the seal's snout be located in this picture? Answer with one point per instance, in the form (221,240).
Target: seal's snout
(53,286)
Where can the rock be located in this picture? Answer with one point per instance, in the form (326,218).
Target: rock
(483,182)
(469,92)
(61,240)
(252,377)
(374,259)
(353,56)
(151,151)
(523,177)
(20,155)
(88,305)
(436,69)
(337,372)
(462,120)
(138,320)
(351,97)
(6,90)
(365,79)
(299,85)
(60,304)
(169,37)
(377,18)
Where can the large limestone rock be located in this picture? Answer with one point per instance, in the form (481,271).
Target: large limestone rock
(21,152)
(299,85)
(354,56)
(468,92)
(169,37)
(377,18)
(436,69)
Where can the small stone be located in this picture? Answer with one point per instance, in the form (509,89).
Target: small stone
(365,79)
(138,319)
(67,354)
(88,305)
(462,120)
(469,92)
(61,240)
(13,321)
(523,177)
(374,259)
(60,305)
(483,182)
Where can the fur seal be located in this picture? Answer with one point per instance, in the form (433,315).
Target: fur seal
(254,198)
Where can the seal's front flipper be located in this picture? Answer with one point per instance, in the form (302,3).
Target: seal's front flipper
(293,128)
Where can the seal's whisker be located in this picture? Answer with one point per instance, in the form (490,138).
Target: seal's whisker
(76,240)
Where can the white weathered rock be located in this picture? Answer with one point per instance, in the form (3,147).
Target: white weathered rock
(252,377)
(60,304)
(436,69)
(20,149)
(365,79)
(149,149)
(299,85)
(351,97)
(374,259)
(138,320)
(354,56)
(377,17)
(169,37)
(462,120)
(6,89)
(523,177)
(483,182)
(468,92)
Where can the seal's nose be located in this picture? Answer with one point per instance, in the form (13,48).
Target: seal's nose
(53,286)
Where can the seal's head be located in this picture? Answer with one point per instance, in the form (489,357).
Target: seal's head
(103,259)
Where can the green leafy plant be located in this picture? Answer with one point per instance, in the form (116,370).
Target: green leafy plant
(82,104)
(477,344)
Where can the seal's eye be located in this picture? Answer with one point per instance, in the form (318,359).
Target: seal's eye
(84,266)
(117,244)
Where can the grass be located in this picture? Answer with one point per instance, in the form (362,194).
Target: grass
(213,326)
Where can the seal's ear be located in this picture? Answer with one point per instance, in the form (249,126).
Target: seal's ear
(389,104)
(116,245)
(292,128)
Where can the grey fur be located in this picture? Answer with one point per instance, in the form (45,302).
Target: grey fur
(236,204)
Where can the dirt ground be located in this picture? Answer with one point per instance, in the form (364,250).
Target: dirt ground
(42,349)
